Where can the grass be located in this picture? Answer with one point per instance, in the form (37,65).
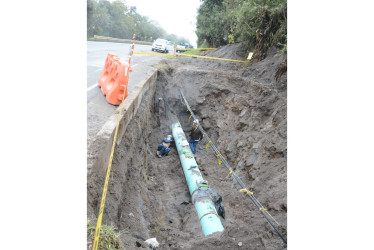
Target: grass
(109,238)
(161,66)
(194,52)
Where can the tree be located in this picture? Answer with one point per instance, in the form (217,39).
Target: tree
(259,24)
(116,19)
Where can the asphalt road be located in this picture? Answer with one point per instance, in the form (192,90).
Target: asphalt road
(98,109)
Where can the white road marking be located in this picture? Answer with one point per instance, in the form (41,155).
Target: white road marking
(98,70)
(95,85)
(92,87)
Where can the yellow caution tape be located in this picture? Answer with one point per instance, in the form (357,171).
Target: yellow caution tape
(198,49)
(208,144)
(154,54)
(190,117)
(196,126)
(219,160)
(263,209)
(214,58)
(102,204)
(203,135)
(245,191)
(230,173)
(207,57)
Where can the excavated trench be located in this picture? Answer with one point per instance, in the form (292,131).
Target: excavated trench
(148,196)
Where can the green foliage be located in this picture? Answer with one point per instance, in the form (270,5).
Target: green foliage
(210,25)
(231,39)
(116,19)
(109,239)
(259,24)
(194,52)
(204,44)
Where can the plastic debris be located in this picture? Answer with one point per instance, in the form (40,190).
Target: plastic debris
(152,242)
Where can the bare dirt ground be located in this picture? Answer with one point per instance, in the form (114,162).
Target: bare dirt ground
(244,111)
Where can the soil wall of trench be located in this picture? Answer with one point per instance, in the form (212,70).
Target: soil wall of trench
(243,110)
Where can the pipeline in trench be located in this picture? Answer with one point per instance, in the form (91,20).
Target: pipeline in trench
(148,196)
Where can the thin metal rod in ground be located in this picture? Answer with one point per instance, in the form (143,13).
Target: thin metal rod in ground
(227,165)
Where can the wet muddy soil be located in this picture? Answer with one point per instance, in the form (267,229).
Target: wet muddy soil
(243,109)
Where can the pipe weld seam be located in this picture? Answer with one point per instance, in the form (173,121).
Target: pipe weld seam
(207,214)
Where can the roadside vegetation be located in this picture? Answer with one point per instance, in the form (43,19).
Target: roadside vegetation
(258,24)
(109,238)
(118,20)
(198,52)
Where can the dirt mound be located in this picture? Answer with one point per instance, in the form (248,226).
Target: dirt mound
(231,51)
(244,112)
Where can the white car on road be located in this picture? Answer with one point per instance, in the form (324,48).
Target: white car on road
(163,45)
(181,48)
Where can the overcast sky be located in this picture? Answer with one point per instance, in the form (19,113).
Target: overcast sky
(175,16)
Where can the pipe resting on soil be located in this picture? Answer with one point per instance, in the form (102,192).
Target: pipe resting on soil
(204,206)
(253,199)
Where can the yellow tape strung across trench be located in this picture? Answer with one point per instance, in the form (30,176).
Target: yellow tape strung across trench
(219,159)
(206,57)
(198,49)
(102,204)
(246,191)
(214,58)
(230,173)
(155,54)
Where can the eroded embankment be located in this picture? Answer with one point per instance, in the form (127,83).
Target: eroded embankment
(247,122)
